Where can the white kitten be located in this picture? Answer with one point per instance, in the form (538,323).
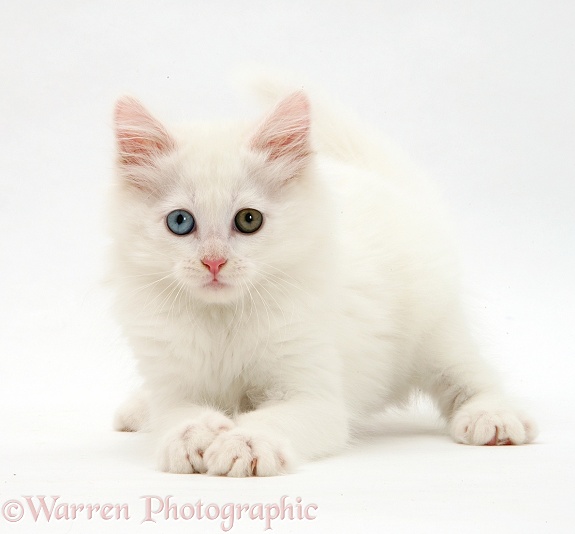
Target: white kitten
(281,281)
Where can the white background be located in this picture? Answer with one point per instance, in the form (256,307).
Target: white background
(481,94)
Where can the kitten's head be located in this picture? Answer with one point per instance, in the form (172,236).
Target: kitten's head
(216,210)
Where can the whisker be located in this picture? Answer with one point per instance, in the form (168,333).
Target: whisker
(266,308)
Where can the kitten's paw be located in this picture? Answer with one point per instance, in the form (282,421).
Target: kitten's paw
(182,450)
(479,423)
(242,454)
(133,414)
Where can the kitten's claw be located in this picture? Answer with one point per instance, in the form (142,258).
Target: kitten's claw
(240,454)
(183,449)
(477,424)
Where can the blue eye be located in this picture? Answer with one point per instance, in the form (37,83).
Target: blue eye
(180,222)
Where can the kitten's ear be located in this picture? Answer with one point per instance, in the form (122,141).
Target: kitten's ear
(140,137)
(284,135)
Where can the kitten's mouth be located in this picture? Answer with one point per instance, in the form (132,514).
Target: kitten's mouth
(215,284)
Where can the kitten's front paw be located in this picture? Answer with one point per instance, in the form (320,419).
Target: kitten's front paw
(242,454)
(182,450)
(482,423)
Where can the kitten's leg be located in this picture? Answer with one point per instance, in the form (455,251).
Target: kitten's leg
(182,429)
(133,414)
(183,433)
(274,438)
(468,393)
(305,419)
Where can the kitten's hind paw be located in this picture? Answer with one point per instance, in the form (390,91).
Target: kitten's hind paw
(133,414)
(182,450)
(484,423)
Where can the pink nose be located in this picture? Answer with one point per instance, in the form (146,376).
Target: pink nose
(214,265)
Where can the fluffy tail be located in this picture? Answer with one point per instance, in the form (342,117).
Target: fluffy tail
(336,132)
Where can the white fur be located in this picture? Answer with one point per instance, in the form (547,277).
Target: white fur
(342,304)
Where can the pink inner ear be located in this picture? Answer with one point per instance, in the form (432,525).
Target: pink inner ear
(285,133)
(140,136)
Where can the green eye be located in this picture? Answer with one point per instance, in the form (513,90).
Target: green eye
(248,221)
